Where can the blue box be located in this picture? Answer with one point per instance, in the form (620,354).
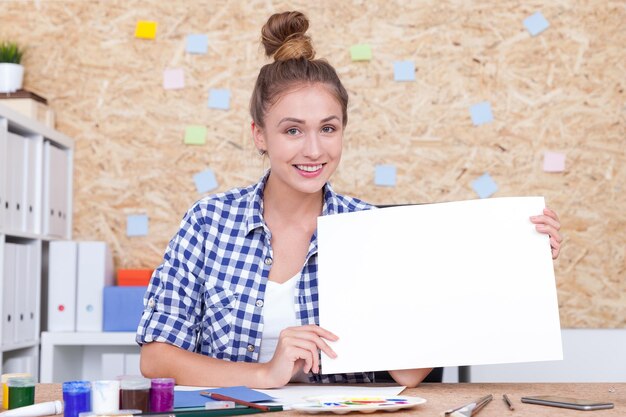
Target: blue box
(123,307)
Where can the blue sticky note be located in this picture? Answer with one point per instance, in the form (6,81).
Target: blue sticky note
(484,186)
(205,181)
(404,71)
(188,399)
(536,23)
(385,175)
(219,98)
(137,225)
(197,44)
(481,113)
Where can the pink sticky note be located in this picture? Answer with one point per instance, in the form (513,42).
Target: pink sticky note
(173,79)
(553,161)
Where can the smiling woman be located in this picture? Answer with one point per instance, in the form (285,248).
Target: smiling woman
(235,301)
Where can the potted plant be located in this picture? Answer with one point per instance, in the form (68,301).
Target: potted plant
(11,72)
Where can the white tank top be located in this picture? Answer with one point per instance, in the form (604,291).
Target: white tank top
(279,312)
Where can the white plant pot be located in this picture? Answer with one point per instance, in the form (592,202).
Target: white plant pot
(11,77)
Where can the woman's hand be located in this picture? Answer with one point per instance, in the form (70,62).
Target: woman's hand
(548,223)
(298,348)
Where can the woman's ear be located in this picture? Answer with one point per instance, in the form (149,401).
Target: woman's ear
(258,137)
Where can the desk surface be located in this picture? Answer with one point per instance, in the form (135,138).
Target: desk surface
(441,397)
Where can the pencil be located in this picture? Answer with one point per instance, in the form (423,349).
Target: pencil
(508,401)
(222,397)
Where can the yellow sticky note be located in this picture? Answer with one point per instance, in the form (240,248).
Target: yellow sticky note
(146,29)
(362,52)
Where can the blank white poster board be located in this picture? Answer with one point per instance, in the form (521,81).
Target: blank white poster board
(448,284)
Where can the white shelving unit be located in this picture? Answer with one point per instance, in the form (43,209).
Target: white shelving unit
(69,356)
(32,212)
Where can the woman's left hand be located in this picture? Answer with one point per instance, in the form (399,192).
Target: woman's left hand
(548,223)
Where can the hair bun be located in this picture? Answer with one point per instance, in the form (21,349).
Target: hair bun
(283,37)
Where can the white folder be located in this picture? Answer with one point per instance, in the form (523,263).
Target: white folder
(95,271)
(17,188)
(32,209)
(55,192)
(33,260)
(62,282)
(8,294)
(20,292)
(4,175)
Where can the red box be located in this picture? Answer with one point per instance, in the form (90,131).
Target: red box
(133,277)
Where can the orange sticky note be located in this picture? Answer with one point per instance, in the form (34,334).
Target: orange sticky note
(146,29)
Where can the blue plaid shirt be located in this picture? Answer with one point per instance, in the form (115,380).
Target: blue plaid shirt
(207,295)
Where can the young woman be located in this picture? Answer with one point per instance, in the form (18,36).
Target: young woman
(235,300)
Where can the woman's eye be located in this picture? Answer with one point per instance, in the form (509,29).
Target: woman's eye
(328,129)
(292,131)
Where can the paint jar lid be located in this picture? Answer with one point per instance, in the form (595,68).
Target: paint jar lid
(134,382)
(163,382)
(21,381)
(76,387)
(5,377)
(106,384)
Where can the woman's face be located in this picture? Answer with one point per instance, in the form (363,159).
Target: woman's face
(303,138)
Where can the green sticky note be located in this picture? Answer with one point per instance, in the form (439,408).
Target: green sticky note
(195,135)
(361,52)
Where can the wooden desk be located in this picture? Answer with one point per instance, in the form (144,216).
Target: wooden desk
(444,396)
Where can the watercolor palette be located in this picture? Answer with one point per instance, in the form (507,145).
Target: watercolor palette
(343,405)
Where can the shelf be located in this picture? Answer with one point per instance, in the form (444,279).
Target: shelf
(21,345)
(24,124)
(25,235)
(89,338)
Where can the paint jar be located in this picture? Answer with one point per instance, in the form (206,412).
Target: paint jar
(135,393)
(105,396)
(5,388)
(21,391)
(162,395)
(77,397)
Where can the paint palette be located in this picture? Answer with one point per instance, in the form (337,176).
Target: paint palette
(343,405)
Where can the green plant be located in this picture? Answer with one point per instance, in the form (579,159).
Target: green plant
(10,52)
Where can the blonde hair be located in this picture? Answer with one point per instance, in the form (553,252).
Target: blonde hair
(284,38)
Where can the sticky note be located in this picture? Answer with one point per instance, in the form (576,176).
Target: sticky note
(173,79)
(404,71)
(146,29)
(481,113)
(219,99)
(385,175)
(137,225)
(195,135)
(536,23)
(205,181)
(361,52)
(553,161)
(197,44)
(484,186)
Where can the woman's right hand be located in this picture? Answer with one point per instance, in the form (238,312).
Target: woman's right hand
(298,348)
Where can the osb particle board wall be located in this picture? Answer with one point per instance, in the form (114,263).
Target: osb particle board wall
(560,91)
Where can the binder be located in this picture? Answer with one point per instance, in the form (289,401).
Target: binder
(33,179)
(33,261)
(21,294)
(3,172)
(8,294)
(62,281)
(56,190)
(17,192)
(95,271)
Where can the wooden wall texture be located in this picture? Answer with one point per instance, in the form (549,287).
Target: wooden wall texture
(562,90)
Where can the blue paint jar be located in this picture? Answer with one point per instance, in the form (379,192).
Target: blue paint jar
(77,397)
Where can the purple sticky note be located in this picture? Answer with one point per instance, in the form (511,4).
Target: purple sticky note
(481,113)
(553,161)
(484,186)
(205,181)
(173,79)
